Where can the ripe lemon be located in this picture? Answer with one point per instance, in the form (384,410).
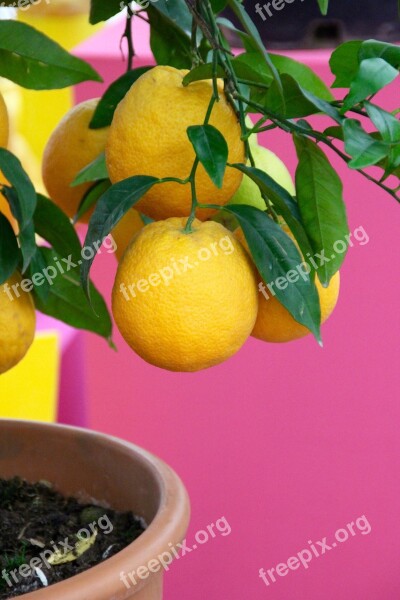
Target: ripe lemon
(71,147)
(148,136)
(123,233)
(17,323)
(185,301)
(274,322)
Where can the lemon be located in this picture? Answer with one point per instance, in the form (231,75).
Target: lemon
(185,301)
(148,136)
(17,323)
(71,147)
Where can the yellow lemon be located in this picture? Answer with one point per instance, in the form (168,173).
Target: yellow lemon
(17,323)
(148,136)
(71,147)
(274,322)
(185,301)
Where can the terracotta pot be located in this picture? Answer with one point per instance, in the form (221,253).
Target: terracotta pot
(115,473)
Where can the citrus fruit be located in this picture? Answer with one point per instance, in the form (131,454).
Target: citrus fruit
(270,163)
(71,147)
(124,231)
(148,136)
(185,301)
(17,323)
(274,322)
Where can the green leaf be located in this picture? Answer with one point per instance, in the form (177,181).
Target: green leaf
(169,42)
(257,42)
(362,147)
(252,66)
(34,61)
(53,225)
(298,101)
(176,11)
(9,251)
(211,150)
(344,63)
(320,198)
(275,255)
(304,76)
(390,53)
(68,303)
(96,170)
(22,200)
(39,274)
(91,197)
(283,203)
(202,72)
(373,75)
(102,10)
(218,5)
(110,209)
(323,6)
(385,122)
(13,171)
(105,109)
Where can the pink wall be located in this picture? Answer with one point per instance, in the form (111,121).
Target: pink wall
(289,442)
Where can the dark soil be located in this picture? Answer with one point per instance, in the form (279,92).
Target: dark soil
(35,520)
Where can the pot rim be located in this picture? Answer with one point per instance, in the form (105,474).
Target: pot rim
(168,526)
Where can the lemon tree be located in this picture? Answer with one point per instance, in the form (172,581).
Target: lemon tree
(176,141)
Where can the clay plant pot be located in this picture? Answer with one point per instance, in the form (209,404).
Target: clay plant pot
(115,473)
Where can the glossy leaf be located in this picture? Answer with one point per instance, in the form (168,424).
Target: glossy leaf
(211,150)
(345,62)
(102,10)
(362,147)
(91,197)
(22,200)
(169,42)
(201,72)
(283,203)
(53,225)
(275,255)
(9,251)
(386,123)
(303,74)
(34,61)
(298,101)
(67,302)
(373,75)
(110,209)
(105,109)
(320,198)
(96,170)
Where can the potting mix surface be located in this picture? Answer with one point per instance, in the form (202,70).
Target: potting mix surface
(46,537)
